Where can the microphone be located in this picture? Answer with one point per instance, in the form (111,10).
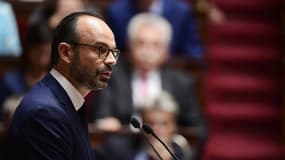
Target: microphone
(150,131)
(136,124)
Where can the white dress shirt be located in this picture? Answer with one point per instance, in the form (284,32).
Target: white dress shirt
(145,90)
(76,98)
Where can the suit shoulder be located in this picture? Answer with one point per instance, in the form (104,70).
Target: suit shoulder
(178,76)
(39,99)
(40,94)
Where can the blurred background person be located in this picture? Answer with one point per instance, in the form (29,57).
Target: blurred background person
(34,64)
(52,12)
(9,37)
(185,40)
(137,82)
(161,117)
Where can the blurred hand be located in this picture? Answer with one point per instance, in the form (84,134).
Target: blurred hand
(216,15)
(109,124)
(161,150)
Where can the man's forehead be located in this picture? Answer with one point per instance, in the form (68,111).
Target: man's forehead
(94,29)
(89,25)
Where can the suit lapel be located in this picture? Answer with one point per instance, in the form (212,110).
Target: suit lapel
(127,70)
(165,80)
(66,103)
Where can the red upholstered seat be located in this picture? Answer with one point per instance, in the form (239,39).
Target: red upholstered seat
(244,82)
(241,146)
(245,32)
(248,5)
(243,53)
(239,83)
(244,111)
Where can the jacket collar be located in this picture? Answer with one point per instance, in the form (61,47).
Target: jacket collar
(57,90)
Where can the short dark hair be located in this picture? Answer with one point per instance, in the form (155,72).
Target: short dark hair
(66,32)
(38,33)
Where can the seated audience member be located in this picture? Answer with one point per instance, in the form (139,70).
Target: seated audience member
(8,108)
(185,40)
(161,117)
(9,37)
(53,11)
(34,64)
(137,81)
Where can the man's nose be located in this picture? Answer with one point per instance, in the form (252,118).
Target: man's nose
(110,59)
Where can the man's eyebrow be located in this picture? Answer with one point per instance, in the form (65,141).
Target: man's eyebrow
(103,43)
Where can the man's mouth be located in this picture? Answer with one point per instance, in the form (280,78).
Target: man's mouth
(106,75)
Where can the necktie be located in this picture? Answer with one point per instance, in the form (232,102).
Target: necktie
(82,112)
(144,90)
(83,118)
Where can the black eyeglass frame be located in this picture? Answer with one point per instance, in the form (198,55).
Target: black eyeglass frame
(98,46)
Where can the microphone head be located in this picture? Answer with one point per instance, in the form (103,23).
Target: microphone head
(147,129)
(135,123)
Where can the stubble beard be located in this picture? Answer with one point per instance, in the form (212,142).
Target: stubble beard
(85,76)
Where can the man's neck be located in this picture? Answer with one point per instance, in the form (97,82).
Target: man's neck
(81,89)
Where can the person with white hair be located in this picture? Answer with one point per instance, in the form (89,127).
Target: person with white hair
(161,117)
(139,80)
(185,40)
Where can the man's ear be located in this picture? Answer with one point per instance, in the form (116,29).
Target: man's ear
(65,52)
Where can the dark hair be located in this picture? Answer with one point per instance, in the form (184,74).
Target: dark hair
(44,11)
(37,34)
(66,32)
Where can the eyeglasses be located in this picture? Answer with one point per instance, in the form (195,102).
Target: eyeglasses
(101,48)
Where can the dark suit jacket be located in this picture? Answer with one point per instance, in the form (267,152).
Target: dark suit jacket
(116,99)
(46,126)
(185,35)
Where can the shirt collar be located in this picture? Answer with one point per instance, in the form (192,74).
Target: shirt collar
(74,95)
(149,75)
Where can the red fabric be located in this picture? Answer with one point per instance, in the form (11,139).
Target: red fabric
(244,111)
(245,32)
(243,147)
(238,82)
(243,53)
(244,82)
(248,5)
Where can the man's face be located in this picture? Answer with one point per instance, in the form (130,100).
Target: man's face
(162,122)
(148,48)
(87,67)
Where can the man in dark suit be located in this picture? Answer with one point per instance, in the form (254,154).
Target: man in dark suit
(137,82)
(185,39)
(50,122)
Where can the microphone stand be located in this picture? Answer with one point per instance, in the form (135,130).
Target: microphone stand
(156,152)
(135,123)
(150,131)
